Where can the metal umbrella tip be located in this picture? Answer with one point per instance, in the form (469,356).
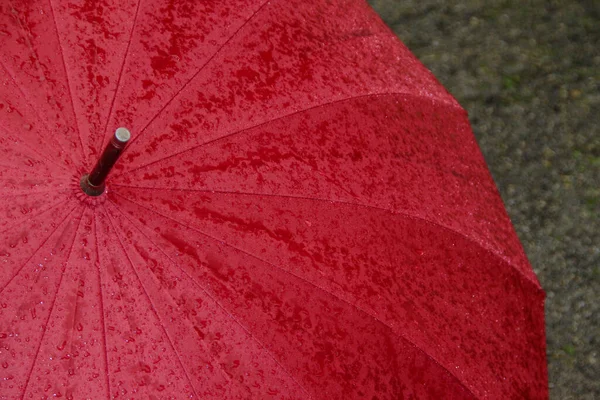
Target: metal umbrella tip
(122,135)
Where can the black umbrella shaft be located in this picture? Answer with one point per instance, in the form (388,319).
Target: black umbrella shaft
(107,160)
(93,184)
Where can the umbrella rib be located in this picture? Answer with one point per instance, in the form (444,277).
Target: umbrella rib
(18,222)
(125,56)
(400,336)
(64,63)
(42,158)
(102,321)
(37,114)
(30,192)
(185,85)
(35,252)
(62,274)
(317,199)
(152,304)
(317,106)
(197,284)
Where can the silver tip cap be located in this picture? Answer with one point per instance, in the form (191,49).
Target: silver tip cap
(122,135)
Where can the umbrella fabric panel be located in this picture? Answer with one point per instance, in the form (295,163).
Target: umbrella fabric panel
(311,334)
(94,37)
(32,61)
(158,67)
(23,134)
(214,357)
(399,153)
(459,303)
(279,63)
(32,271)
(113,46)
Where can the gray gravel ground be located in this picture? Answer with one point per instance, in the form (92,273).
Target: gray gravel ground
(528,73)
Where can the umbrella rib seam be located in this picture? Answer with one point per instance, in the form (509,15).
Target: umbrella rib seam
(185,85)
(64,63)
(153,306)
(102,310)
(400,336)
(42,157)
(537,288)
(295,113)
(18,222)
(217,303)
(125,56)
(62,274)
(35,252)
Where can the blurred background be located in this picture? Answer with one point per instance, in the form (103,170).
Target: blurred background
(528,73)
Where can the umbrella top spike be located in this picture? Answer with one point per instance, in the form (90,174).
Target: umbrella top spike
(122,135)
(93,184)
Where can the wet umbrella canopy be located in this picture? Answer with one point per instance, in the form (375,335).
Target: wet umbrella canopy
(300,211)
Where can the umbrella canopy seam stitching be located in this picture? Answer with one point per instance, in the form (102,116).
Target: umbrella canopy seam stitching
(295,113)
(35,252)
(29,104)
(538,289)
(154,309)
(186,84)
(400,336)
(30,373)
(125,56)
(62,55)
(101,298)
(215,300)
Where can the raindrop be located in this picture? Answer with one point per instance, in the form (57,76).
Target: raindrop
(79,327)
(4,364)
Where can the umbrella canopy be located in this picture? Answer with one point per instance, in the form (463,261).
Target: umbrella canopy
(301,212)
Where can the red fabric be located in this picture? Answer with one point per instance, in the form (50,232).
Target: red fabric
(303,212)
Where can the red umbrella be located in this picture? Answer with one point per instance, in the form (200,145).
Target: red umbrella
(301,211)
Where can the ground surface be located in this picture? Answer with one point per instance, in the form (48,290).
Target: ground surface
(528,73)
